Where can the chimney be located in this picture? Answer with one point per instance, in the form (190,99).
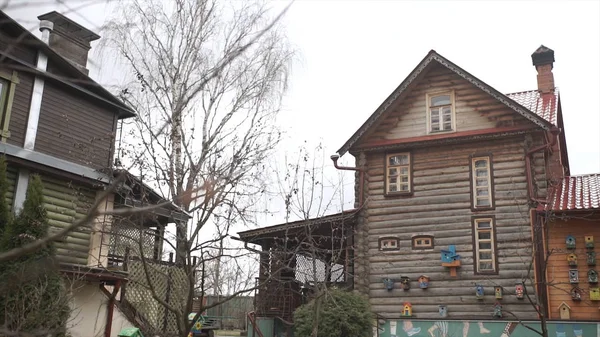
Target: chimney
(543,60)
(69,39)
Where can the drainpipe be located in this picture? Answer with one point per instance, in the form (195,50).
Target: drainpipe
(34,115)
(335,158)
(549,144)
(111,309)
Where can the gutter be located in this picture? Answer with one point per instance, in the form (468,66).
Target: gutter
(110,308)
(335,158)
(549,144)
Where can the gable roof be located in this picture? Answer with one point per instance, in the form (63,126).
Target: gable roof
(410,79)
(77,80)
(543,105)
(577,193)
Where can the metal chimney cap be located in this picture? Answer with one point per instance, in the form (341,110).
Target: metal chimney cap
(45,24)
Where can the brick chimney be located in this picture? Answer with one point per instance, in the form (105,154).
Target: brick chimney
(543,60)
(70,40)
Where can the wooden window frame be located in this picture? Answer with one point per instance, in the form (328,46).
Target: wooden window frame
(389,238)
(7,96)
(428,106)
(494,244)
(386,185)
(416,246)
(473,177)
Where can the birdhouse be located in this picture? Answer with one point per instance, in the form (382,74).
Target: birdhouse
(589,241)
(564,310)
(479,292)
(591,258)
(595,294)
(405,281)
(592,276)
(498,310)
(498,293)
(407,309)
(423,282)
(449,255)
(576,294)
(570,242)
(519,290)
(443,310)
(388,283)
(573,276)
(572,259)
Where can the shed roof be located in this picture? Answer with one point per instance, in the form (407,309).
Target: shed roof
(580,192)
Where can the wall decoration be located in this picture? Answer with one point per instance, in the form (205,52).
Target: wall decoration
(388,283)
(498,310)
(591,258)
(592,276)
(407,309)
(405,281)
(443,310)
(589,241)
(564,310)
(573,276)
(572,259)
(570,242)
(423,281)
(479,293)
(519,290)
(498,293)
(595,294)
(450,259)
(576,294)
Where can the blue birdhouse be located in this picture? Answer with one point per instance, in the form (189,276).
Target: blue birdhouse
(479,292)
(498,310)
(388,283)
(570,242)
(449,256)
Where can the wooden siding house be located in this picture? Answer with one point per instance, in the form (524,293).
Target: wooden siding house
(450,177)
(59,123)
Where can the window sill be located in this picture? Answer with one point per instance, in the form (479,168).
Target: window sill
(398,194)
(486,273)
(440,132)
(483,209)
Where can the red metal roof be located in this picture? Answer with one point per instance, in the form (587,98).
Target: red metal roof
(543,105)
(577,193)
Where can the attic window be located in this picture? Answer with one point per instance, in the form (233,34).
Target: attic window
(440,112)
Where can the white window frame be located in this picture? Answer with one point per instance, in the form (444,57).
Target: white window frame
(392,247)
(399,175)
(475,179)
(492,241)
(422,244)
(428,105)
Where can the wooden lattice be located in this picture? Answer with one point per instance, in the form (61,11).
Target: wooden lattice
(170,284)
(125,236)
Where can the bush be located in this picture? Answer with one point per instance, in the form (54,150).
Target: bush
(339,313)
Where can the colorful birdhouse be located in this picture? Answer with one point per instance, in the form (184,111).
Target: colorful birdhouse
(498,310)
(573,276)
(564,310)
(450,254)
(592,276)
(595,294)
(589,241)
(388,283)
(443,310)
(570,242)
(498,293)
(576,294)
(591,258)
(423,282)
(479,292)
(572,259)
(519,290)
(407,309)
(405,281)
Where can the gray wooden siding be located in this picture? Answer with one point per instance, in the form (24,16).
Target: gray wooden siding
(20,109)
(474,108)
(74,129)
(441,206)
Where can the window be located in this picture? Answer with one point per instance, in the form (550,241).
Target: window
(482,184)
(389,243)
(422,242)
(398,173)
(440,112)
(7,93)
(484,241)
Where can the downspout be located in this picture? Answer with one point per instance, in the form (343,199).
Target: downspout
(549,144)
(111,309)
(335,158)
(35,106)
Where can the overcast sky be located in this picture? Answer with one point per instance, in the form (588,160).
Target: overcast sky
(353,54)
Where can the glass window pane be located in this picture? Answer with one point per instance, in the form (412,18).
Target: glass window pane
(404,179)
(440,100)
(485,266)
(392,171)
(485,255)
(404,187)
(485,235)
(403,159)
(480,163)
(481,172)
(483,224)
(482,192)
(485,245)
(483,202)
(482,182)
(393,188)
(447,111)
(393,160)
(393,180)
(404,171)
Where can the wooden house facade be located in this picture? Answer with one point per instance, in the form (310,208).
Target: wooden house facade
(451,179)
